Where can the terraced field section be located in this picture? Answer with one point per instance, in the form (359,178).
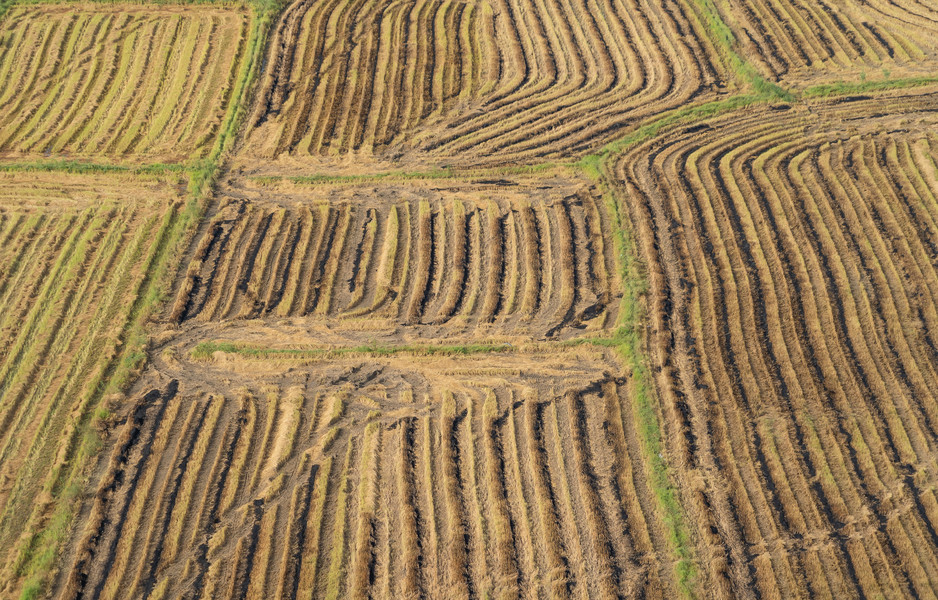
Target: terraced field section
(810,40)
(116,81)
(792,258)
(478,81)
(504,473)
(74,252)
(523,257)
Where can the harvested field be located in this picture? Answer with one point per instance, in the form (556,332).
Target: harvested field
(74,250)
(483,80)
(799,39)
(529,256)
(502,475)
(116,81)
(483,300)
(791,257)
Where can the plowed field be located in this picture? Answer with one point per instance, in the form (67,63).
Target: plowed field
(805,40)
(484,256)
(475,299)
(481,81)
(792,255)
(399,476)
(75,252)
(116,81)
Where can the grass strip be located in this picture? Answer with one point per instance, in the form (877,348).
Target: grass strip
(88,167)
(430,174)
(628,338)
(628,341)
(205,350)
(5,4)
(722,36)
(846,88)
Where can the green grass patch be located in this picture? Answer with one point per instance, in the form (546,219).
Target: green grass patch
(438,173)
(4,7)
(628,340)
(205,350)
(846,88)
(89,167)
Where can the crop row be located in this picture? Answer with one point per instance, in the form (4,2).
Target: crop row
(400,486)
(787,35)
(794,299)
(115,81)
(464,261)
(507,78)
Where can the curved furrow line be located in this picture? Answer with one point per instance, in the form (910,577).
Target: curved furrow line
(533,134)
(521,79)
(570,43)
(100,54)
(302,71)
(70,87)
(460,260)
(297,263)
(789,261)
(57,96)
(117,108)
(275,85)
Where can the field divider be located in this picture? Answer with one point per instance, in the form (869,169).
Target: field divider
(722,36)
(205,350)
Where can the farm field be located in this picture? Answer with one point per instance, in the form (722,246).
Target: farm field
(802,42)
(526,255)
(76,251)
(498,474)
(116,81)
(489,299)
(792,322)
(478,82)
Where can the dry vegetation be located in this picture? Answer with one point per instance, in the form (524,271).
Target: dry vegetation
(480,81)
(792,255)
(315,318)
(116,80)
(74,253)
(483,255)
(495,475)
(802,39)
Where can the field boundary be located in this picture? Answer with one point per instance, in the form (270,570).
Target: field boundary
(629,337)
(628,340)
(205,350)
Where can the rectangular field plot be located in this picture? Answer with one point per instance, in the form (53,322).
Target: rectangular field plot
(74,250)
(477,257)
(477,81)
(800,357)
(116,81)
(369,476)
(805,39)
